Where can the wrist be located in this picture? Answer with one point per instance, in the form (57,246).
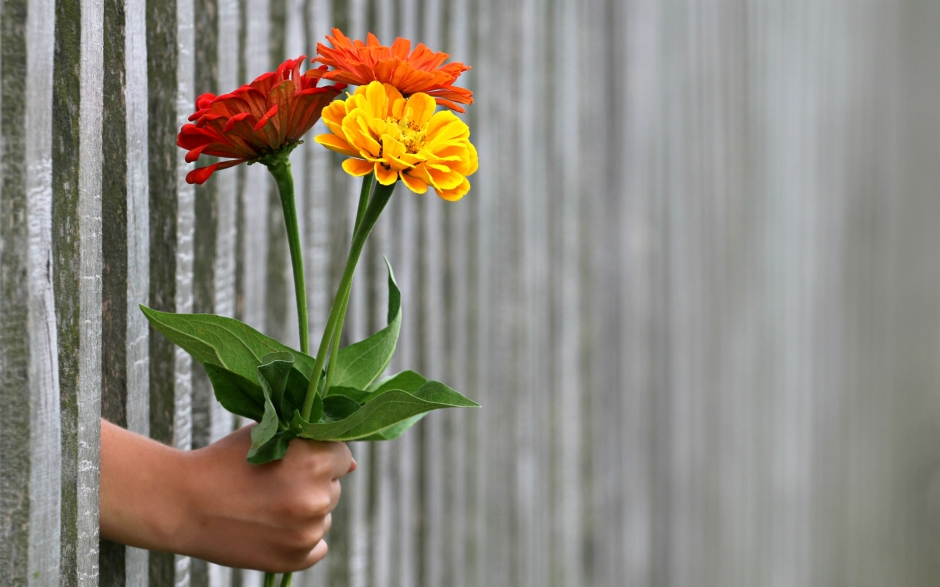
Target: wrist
(145,494)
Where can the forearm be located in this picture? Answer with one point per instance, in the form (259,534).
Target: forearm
(144,492)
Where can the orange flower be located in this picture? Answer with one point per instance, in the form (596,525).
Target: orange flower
(260,119)
(421,71)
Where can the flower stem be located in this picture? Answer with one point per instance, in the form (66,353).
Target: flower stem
(364,194)
(286,579)
(269,580)
(285,185)
(376,204)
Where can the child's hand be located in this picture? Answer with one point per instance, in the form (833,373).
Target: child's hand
(212,504)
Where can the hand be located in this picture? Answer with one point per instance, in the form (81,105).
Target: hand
(212,504)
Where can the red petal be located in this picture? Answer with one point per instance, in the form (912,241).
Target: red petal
(200,175)
(231,121)
(267,116)
(194,154)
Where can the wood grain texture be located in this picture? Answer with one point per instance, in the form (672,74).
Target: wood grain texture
(45,428)
(694,287)
(14,427)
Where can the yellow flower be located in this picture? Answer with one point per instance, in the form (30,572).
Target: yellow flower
(397,137)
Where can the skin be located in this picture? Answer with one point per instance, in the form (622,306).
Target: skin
(212,504)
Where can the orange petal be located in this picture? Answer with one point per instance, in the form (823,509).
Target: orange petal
(414,184)
(357,167)
(335,143)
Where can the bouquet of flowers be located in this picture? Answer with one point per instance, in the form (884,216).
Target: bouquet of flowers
(390,130)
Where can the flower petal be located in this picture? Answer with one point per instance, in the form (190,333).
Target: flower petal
(357,167)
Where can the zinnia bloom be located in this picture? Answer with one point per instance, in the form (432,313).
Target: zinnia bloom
(260,119)
(398,137)
(421,71)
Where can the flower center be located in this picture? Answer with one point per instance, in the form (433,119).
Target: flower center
(407,132)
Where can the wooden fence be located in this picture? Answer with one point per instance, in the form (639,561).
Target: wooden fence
(695,286)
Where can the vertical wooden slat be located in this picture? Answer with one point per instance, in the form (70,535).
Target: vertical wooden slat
(125,250)
(31,433)
(44,423)
(76,241)
(170,81)
(428,304)
(456,285)
(14,305)
(254,195)
(532,426)
(484,539)
(569,388)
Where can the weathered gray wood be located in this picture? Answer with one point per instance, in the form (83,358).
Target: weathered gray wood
(455,271)
(125,250)
(565,435)
(170,54)
(740,390)
(30,429)
(45,429)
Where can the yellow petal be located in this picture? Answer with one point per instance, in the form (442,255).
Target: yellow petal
(422,108)
(335,143)
(357,167)
(456,193)
(385,176)
(378,100)
(444,126)
(414,184)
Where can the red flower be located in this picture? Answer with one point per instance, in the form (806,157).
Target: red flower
(259,119)
(421,71)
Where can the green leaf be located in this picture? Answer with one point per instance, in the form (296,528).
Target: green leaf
(393,432)
(274,373)
(409,381)
(357,395)
(273,450)
(361,363)
(231,351)
(338,407)
(236,394)
(392,407)
(225,342)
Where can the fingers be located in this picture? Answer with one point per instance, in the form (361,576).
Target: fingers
(316,555)
(335,491)
(342,459)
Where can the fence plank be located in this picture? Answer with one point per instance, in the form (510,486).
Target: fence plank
(170,79)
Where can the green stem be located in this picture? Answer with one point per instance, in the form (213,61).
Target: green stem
(285,185)
(269,580)
(286,579)
(376,204)
(338,333)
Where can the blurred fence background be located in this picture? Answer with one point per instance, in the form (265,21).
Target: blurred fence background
(695,286)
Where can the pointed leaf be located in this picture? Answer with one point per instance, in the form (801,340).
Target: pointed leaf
(267,428)
(361,363)
(409,381)
(388,409)
(273,374)
(338,407)
(273,450)
(393,432)
(231,351)
(224,342)
(357,395)
(236,394)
